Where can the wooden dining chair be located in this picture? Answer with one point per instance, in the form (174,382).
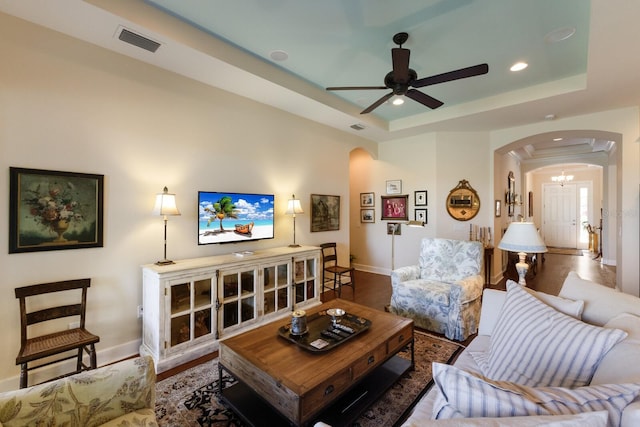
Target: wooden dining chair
(33,348)
(336,272)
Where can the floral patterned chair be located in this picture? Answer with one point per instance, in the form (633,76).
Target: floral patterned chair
(443,292)
(122,394)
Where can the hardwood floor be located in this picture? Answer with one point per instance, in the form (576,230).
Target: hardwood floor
(374,290)
(555,267)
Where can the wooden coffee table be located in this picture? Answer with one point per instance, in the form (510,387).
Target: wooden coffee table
(280,383)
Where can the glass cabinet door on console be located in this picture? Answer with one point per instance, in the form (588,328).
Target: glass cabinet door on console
(191,306)
(237,292)
(276,287)
(305,279)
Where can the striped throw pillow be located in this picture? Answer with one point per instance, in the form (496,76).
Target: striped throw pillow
(535,345)
(462,394)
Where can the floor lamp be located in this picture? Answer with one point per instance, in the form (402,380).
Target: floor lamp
(293,208)
(393,237)
(165,205)
(523,238)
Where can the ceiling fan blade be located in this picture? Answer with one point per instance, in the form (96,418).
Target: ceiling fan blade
(424,99)
(462,73)
(356,87)
(378,103)
(400,58)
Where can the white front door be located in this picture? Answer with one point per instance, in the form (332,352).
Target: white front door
(560,217)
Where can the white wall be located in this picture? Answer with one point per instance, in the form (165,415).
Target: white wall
(433,162)
(70,106)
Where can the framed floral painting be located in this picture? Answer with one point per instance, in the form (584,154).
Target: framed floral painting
(53,210)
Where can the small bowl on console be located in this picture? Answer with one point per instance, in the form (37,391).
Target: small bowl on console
(336,315)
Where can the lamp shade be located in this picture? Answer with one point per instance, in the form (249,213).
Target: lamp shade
(522,237)
(165,204)
(293,207)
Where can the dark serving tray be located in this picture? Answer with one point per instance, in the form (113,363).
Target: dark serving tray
(317,323)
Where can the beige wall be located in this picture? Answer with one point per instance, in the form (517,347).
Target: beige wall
(70,106)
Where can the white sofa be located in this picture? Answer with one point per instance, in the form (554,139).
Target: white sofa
(594,304)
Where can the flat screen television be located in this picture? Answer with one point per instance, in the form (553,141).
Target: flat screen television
(234,217)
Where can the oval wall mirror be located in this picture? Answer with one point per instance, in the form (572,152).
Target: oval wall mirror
(463,202)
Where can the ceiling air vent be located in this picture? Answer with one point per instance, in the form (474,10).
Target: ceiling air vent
(138,40)
(357,126)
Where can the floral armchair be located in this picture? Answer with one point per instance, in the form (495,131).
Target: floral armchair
(118,395)
(443,292)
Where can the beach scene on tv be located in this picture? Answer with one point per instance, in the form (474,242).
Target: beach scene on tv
(234,217)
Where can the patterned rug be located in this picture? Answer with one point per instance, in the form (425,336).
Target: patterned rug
(190,398)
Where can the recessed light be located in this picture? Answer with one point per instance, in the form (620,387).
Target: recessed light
(519,66)
(279,55)
(559,34)
(558,139)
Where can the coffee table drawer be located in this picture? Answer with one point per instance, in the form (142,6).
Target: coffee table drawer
(400,339)
(325,392)
(369,361)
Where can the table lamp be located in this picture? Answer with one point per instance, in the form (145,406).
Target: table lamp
(293,208)
(165,205)
(523,238)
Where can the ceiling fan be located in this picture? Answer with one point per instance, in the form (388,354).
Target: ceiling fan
(402,79)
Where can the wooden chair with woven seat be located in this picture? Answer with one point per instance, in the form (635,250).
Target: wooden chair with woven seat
(330,266)
(55,343)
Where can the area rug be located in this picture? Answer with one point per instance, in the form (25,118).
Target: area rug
(190,398)
(564,251)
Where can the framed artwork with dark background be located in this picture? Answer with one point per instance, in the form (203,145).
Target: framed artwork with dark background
(54,210)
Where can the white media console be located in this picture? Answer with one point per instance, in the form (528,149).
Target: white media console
(192,304)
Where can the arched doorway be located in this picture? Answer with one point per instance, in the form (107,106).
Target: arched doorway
(535,159)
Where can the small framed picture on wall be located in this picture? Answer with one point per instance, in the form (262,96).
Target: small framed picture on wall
(420,215)
(367,215)
(367,200)
(394,186)
(420,198)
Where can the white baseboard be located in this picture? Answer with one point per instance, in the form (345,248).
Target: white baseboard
(104,357)
(372,269)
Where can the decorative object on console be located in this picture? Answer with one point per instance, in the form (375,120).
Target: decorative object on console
(396,229)
(165,206)
(523,238)
(52,210)
(293,208)
(463,202)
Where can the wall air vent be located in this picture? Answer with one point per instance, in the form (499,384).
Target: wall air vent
(138,40)
(357,126)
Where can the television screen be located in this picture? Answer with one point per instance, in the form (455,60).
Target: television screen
(234,217)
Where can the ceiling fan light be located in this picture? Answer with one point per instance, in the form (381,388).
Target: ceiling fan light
(519,66)
(398,101)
